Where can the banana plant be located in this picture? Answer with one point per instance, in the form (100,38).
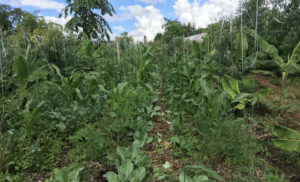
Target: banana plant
(291,66)
(288,139)
(232,87)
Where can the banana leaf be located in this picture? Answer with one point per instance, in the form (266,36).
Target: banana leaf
(288,139)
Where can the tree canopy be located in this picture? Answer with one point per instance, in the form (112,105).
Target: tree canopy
(88,15)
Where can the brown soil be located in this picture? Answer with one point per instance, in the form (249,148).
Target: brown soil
(161,131)
(292,117)
(292,172)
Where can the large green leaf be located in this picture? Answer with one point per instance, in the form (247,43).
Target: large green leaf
(241,46)
(231,85)
(125,169)
(138,175)
(211,172)
(86,50)
(122,153)
(289,145)
(22,69)
(39,73)
(285,133)
(295,58)
(265,46)
(288,139)
(60,176)
(185,178)
(292,65)
(62,78)
(241,97)
(111,177)
(74,175)
(200,178)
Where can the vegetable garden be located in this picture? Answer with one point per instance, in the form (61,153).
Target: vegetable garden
(225,109)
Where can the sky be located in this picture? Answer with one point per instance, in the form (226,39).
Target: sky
(142,17)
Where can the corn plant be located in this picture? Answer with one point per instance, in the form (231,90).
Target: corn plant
(31,118)
(69,86)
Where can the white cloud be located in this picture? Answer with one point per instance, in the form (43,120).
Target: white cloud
(119,28)
(42,4)
(151,1)
(149,20)
(61,21)
(112,36)
(206,13)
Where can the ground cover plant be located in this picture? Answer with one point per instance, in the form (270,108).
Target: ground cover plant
(224,109)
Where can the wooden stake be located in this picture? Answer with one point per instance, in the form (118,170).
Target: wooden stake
(118,49)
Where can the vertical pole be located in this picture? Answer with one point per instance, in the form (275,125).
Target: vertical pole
(242,39)
(145,40)
(173,41)
(118,49)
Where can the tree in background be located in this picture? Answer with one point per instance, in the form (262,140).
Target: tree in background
(16,15)
(30,22)
(5,24)
(88,15)
(278,22)
(173,28)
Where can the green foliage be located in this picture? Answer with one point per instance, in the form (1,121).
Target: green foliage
(84,16)
(61,176)
(126,173)
(231,85)
(69,86)
(265,46)
(129,158)
(5,24)
(22,69)
(65,100)
(90,142)
(292,65)
(185,178)
(30,23)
